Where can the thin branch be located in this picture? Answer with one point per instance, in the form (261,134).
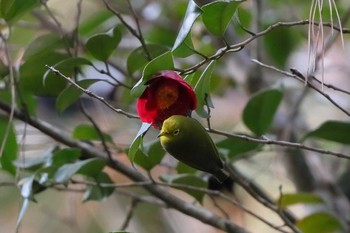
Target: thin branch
(224,196)
(209,192)
(90,151)
(12,92)
(298,76)
(129,213)
(279,143)
(91,94)
(330,86)
(239,46)
(261,197)
(135,33)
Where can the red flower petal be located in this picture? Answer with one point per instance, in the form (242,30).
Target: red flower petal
(167,94)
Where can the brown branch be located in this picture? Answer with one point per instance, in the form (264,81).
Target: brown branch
(279,143)
(91,94)
(239,46)
(90,151)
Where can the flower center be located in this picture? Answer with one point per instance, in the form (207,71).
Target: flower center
(167,95)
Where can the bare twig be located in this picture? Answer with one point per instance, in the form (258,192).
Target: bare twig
(90,151)
(136,33)
(12,84)
(279,143)
(91,94)
(239,46)
(298,76)
(129,213)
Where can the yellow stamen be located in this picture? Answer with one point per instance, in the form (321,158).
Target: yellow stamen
(166,96)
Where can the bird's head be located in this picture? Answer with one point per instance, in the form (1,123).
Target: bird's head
(172,129)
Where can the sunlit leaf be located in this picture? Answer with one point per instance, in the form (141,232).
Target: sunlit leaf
(260,110)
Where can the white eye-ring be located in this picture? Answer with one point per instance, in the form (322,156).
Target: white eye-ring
(176,132)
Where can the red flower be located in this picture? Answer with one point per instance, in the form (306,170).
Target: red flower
(167,94)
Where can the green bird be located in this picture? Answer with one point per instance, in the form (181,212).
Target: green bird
(186,139)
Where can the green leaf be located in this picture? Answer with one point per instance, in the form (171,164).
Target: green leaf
(260,110)
(66,67)
(192,13)
(138,58)
(101,46)
(190,181)
(186,48)
(12,10)
(99,192)
(277,51)
(217,15)
(183,168)
(65,156)
(90,167)
(93,21)
(336,131)
(237,147)
(89,132)
(162,62)
(43,45)
(27,101)
(32,71)
(9,143)
(137,142)
(71,94)
(299,198)
(319,222)
(150,155)
(4,70)
(202,90)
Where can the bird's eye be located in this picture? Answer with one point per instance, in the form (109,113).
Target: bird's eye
(176,132)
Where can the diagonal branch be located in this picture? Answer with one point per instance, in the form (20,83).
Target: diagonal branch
(90,151)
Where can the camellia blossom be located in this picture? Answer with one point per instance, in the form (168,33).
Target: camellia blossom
(167,94)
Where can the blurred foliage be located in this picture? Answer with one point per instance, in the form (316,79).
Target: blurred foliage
(126,47)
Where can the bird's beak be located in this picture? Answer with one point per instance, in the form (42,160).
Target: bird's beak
(163,133)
